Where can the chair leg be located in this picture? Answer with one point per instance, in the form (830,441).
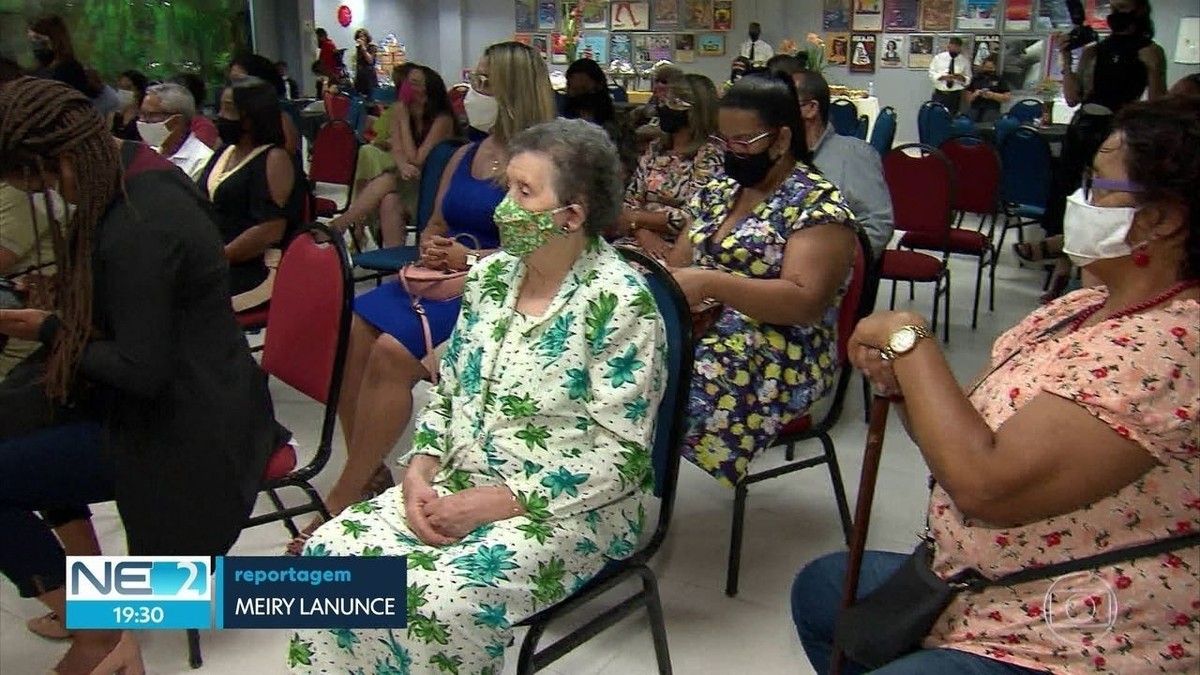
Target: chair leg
(912,291)
(892,305)
(195,658)
(937,297)
(279,505)
(992,281)
(735,540)
(658,624)
(978,289)
(789,453)
(839,488)
(946,310)
(525,665)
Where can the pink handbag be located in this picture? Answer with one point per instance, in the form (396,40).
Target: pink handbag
(422,283)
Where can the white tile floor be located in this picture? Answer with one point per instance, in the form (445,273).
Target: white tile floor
(790,520)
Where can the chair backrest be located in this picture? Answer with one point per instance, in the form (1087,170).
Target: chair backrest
(858,302)
(431,177)
(457,94)
(1026,168)
(309,321)
(884,132)
(337,106)
(385,95)
(334,154)
(961,125)
(619,95)
(920,181)
(860,129)
(1027,110)
(672,411)
(843,116)
(358,114)
(1003,127)
(933,123)
(977,167)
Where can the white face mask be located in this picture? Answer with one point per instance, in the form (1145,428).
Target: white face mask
(125,98)
(481,110)
(153,134)
(1092,233)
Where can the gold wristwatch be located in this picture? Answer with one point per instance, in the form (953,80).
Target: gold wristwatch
(903,340)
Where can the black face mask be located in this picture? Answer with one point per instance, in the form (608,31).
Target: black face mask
(754,37)
(42,52)
(670,120)
(579,104)
(230,131)
(1120,22)
(750,170)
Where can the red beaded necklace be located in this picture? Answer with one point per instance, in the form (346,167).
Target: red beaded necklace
(1135,308)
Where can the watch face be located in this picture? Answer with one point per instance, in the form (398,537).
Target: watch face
(902,340)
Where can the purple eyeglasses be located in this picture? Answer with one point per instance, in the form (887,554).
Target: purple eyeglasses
(1090,183)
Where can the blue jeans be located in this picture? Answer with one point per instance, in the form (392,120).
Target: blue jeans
(817,596)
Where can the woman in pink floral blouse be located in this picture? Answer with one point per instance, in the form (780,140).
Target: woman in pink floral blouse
(673,169)
(1080,438)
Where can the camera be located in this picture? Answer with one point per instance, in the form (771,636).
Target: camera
(1081,34)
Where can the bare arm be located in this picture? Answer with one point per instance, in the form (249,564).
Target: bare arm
(441,129)
(403,149)
(257,239)
(1074,81)
(1156,70)
(815,263)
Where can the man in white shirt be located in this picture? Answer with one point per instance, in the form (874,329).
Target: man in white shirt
(164,123)
(950,72)
(754,49)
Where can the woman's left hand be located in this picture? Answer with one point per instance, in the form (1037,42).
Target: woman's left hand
(458,514)
(869,338)
(694,282)
(451,252)
(23,324)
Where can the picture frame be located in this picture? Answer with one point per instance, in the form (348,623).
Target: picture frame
(710,44)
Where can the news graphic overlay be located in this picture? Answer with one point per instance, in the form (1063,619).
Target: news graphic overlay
(138,592)
(312,592)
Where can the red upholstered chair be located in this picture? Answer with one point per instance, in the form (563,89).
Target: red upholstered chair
(977,169)
(921,182)
(334,160)
(857,303)
(337,107)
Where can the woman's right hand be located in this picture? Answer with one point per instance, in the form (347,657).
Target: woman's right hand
(653,244)
(418,493)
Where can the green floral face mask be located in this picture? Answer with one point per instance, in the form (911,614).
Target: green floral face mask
(523,231)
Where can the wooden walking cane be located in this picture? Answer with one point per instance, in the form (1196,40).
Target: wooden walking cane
(862,510)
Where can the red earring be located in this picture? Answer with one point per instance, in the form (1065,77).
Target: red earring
(1140,257)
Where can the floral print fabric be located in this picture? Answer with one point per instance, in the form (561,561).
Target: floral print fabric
(751,377)
(666,182)
(1139,375)
(560,408)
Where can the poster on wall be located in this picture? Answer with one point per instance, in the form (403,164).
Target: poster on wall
(1052,15)
(595,17)
(547,16)
(526,15)
(685,47)
(620,48)
(631,16)
(901,15)
(697,14)
(891,54)
(541,43)
(523,38)
(920,51)
(1023,62)
(723,15)
(985,46)
(836,47)
(862,52)
(649,49)
(977,14)
(937,15)
(664,15)
(594,46)
(835,15)
(868,15)
(711,44)
(1018,15)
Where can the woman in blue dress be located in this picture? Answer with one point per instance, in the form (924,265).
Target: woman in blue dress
(510,92)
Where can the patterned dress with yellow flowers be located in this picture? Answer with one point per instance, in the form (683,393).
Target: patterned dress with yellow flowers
(560,408)
(752,377)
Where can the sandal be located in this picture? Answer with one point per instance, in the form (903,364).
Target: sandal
(1033,252)
(295,547)
(49,626)
(381,481)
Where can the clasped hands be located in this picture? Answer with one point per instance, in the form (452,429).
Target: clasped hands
(442,521)
(443,253)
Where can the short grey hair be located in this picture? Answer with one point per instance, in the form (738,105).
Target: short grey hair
(175,99)
(586,168)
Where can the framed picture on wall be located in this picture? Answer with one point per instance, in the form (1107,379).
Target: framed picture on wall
(711,44)
(1018,15)
(631,16)
(697,14)
(523,38)
(620,48)
(723,15)
(541,42)
(547,16)
(835,15)
(558,49)
(650,48)
(685,47)
(891,54)
(901,15)
(665,15)
(937,15)
(837,48)
(595,16)
(594,46)
(920,51)
(526,15)
(985,46)
(862,52)
(868,15)
(978,14)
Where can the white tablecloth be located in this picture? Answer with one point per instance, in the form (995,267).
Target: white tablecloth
(866,106)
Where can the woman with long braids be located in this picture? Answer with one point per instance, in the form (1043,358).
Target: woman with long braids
(142,346)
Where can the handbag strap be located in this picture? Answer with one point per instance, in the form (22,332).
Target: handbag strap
(1080,564)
